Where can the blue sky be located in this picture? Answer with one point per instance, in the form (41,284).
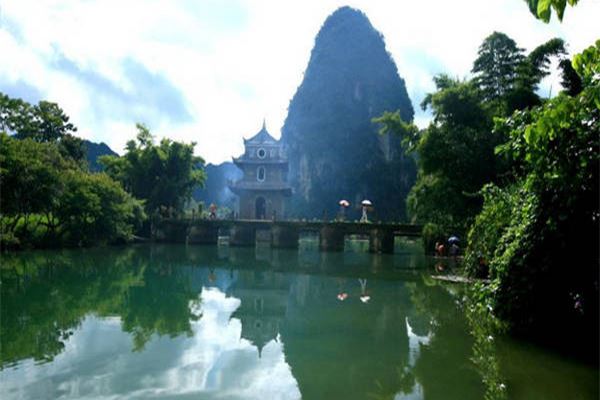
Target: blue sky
(209,71)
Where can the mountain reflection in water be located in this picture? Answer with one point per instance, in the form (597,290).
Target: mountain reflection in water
(219,322)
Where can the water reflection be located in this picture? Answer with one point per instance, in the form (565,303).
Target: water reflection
(213,361)
(176,321)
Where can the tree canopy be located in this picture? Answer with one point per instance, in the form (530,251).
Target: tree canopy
(48,197)
(456,152)
(162,175)
(509,79)
(530,229)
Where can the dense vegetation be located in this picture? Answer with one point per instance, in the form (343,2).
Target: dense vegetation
(49,196)
(456,155)
(164,175)
(333,148)
(532,229)
(519,175)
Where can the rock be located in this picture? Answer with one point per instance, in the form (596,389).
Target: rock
(334,149)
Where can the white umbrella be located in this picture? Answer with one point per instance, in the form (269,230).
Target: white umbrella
(366,203)
(344,203)
(453,239)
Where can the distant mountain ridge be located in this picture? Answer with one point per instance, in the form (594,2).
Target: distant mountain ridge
(215,188)
(93,151)
(334,148)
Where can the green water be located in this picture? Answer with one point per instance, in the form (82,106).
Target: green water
(229,323)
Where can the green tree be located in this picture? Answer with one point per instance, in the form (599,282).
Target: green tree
(52,121)
(163,175)
(17,116)
(44,122)
(39,188)
(507,78)
(30,180)
(496,66)
(528,232)
(94,208)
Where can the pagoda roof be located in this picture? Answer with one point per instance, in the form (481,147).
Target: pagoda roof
(263,136)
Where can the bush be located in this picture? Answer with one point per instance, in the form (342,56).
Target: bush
(95,208)
(540,235)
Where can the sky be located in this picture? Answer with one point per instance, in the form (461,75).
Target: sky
(210,71)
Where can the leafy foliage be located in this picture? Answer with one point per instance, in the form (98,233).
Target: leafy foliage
(529,231)
(163,175)
(41,187)
(95,208)
(45,122)
(496,65)
(456,153)
(507,78)
(47,195)
(542,9)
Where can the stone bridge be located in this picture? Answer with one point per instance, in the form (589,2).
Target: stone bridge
(283,234)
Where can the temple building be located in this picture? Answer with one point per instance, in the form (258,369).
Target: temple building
(263,187)
(263,305)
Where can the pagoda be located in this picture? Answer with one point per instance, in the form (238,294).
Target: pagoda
(263,187)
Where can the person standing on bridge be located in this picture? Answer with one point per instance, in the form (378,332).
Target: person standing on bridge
(366,204)
(213,211)
(343,205)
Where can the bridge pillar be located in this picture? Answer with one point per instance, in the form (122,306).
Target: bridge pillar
(284,237)
(203,234)
(240,235)
(331,238)
(381,241)
(171,231)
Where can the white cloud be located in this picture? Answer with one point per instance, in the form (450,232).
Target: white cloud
(233,63)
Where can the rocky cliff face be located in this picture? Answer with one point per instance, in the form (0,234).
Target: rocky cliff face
(334,149)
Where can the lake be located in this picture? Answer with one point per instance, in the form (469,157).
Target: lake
(214,322)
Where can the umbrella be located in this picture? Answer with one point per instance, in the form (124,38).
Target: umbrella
(453,239)
(366,203)
(344,203)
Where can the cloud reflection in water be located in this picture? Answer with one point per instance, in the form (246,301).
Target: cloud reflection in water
(214,363)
